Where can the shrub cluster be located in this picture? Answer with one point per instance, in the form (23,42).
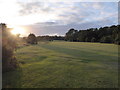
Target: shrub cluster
(31,39)
(9,61)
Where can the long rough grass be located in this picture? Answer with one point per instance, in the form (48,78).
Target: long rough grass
(61,64)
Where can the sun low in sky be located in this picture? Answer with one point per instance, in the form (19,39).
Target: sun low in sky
(50,18)
(18,30)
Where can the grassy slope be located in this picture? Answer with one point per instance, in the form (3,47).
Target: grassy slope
(65,64)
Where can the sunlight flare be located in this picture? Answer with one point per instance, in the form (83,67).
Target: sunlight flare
(18,30)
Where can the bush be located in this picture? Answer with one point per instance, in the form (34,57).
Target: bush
(9,61)
(32,39)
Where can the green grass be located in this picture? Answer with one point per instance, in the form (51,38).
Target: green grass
(65,65)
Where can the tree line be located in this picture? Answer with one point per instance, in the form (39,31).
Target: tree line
(102,35)
(50,38)
(33,39)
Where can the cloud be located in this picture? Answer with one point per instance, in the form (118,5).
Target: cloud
(40,29)
(69,0)
(34,7)
(50,23)
(64,12)
(52,34)
(57,17)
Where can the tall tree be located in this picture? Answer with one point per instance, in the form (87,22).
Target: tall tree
(71,35)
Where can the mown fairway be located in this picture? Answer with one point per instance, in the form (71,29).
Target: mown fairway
(60,64)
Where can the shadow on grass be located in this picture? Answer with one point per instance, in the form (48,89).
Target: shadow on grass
(12,79)
(78,53)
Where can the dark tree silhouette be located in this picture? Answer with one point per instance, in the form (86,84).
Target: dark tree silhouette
(106,39)
(32,39)
(103,35)
(9,61)
(71,35)
(93,40)
(49,38)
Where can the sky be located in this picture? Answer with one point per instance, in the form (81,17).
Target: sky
(56,17)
